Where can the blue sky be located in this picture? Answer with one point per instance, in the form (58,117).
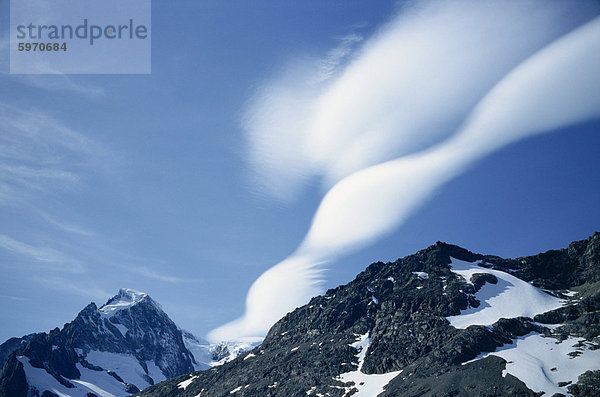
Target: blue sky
(149,181)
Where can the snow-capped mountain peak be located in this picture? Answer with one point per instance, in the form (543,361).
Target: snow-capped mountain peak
(125,299)
(118,349)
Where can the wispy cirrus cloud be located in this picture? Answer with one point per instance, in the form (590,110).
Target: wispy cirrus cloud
(62,83)
(41,157)
(15,298)
(444,85)
(52,83)
(329,65)
(53,261)
(278,113)
(50,258)
(65,226)
(159,276)
(66,285)
(38,153)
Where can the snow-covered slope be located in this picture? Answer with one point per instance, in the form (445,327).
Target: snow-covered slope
(508,297)
(367,384)
(547,364)
(101,383)
(544,363)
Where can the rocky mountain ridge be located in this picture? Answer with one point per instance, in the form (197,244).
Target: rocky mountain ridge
(390,332)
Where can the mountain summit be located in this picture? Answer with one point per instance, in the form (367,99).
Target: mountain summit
(125,299)
(441,322)
(127,344)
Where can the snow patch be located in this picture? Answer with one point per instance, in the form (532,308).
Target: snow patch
(551,327)
(203,351)
(97,382)
(40,379)
(122,329)
(249,356)
(510,297)
(155,372)
(542,362)
(200,349)
(235,349)
(367,385)
(126,366)
(126,298)
(421,275)
(183,385)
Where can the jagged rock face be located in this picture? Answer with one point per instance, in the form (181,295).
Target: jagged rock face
(13,381)
(13,344)
(404,308)
(130,333)
(143,330)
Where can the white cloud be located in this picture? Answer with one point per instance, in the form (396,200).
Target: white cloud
(277,291)
(554,87)
(408,87)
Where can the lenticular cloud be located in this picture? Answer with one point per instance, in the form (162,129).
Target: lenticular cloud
(443,85)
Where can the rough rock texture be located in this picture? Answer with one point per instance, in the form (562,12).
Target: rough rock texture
(13,381)
(405,316)
(480,378)
(13,344)
(588,385)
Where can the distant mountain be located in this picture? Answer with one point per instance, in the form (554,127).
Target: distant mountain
(209,355)
(118,349)
(441,322)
